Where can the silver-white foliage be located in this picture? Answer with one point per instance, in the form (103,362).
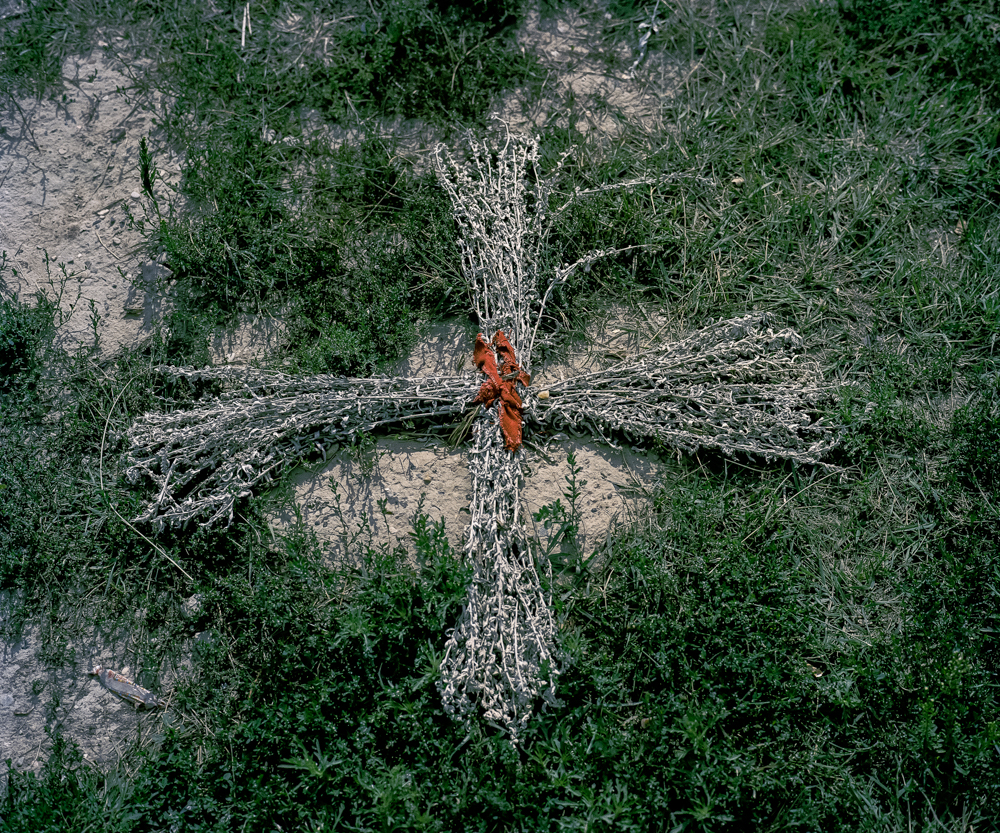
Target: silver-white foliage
(502,652)
(201,460)
(501,205)
(735,386)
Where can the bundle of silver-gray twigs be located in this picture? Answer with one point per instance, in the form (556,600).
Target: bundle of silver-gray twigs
(736,386)
(201,460)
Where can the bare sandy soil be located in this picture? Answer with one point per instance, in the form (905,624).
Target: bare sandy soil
(68,173)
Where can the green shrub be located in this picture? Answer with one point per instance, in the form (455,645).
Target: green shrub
(34,44)
(64,795)
(350,261)
(957,43)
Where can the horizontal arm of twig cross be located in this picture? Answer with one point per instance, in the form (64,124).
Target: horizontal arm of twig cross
(201,460)
(736,386)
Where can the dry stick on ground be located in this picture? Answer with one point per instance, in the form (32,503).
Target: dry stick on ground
(735,386)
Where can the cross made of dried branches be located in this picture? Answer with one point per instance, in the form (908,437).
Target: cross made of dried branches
(736,386)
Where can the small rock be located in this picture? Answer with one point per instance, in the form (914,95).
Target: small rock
(103,212)
(153,273)
(62,151)
(135,195)
(428,479)
(6,700)
(115,241)
(192,607)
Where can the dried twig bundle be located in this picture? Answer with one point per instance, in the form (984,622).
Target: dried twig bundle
(500,236)
(735,386)
(501,205)
(503,650)
(502,653)
(201,460)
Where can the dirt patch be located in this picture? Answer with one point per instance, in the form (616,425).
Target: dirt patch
(344,504)
(42,693)
(372,496)
(596,80)
(69,176)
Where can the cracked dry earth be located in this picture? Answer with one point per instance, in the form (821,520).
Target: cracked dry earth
(69,176)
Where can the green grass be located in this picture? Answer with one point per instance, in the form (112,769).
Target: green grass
(768,647)
(352,262)
(701,692)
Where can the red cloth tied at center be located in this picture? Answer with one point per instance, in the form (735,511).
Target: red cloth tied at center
(501,384)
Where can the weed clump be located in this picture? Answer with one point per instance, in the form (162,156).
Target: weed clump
(25,330)
(348,254)
(955,42)
(976,448)
(415,59)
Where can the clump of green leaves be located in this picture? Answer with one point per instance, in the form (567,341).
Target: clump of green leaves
(563,520)
(25,330)
(954,42)
(65,795)
(976,447)
(349,256)
(34,43)
(418,58)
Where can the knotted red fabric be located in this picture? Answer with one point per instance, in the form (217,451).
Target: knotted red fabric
(501,384)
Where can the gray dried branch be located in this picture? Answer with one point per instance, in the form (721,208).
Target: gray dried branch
(735,386)
(502,654)
(502,651)
(201,460)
